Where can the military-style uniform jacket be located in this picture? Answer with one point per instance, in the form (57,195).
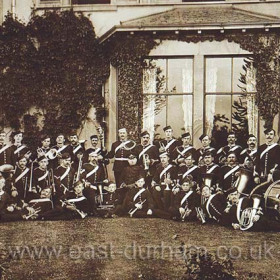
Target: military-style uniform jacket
(164,172)
(215,205)
(63,178)
(74,152)
(152,152)
(179,153)
(60,150)
(138,195)
(80,202)
(169,145)
(21,181)
(214,169)
(93,173)
(188,200)
(97,150)
(222,152)
(248,155)
(40,179)
(15,152)
(228,177)
(5,155)
(184,171)
(201,151)
(120,154)
(266,159)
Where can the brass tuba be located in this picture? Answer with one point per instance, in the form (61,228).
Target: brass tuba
(248,214)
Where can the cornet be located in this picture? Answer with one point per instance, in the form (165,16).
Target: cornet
(132,211)
(51,154)
(200,214)
(80,212)
(34,214)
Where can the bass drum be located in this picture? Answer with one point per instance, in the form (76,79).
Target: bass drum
(272,199)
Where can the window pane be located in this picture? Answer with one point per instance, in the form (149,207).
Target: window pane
(238,62)
(218,74)
(154,76)
(179,114)
(217,117)
(154,118)
(180,75)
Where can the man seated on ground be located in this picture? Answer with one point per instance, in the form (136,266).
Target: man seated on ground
(184,203)
(108,200)
(74,205)
(130,174)
(138,202)
(31,210)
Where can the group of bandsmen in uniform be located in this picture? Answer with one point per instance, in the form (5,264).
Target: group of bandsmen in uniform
(167,179)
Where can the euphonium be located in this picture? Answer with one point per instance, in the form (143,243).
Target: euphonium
(248,214)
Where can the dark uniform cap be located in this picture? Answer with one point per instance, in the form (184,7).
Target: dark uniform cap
(142,134)
(163,154)
(186,134)
(208,152)
(202,136)
(186,155)
(41,158)
(167,127)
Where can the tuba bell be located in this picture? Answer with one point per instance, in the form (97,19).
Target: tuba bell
(248,214)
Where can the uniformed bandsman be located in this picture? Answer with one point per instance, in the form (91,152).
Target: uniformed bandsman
(120,153)
(189,168)
(17,148)
(41,176)
(64,176)
(268,157)
(76,150)
(148,156)
(229,173)
(21,179)
(169,143)
(163,182)
(184,202)
(205,141)
(60,148)
(210,168)
(94,177)
(179,152)
(5,152)
(248,155)
(230,147)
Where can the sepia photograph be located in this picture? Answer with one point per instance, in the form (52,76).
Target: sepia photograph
(139,139)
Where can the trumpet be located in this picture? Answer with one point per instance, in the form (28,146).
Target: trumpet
(80,212)
(200,214)
(132,211)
